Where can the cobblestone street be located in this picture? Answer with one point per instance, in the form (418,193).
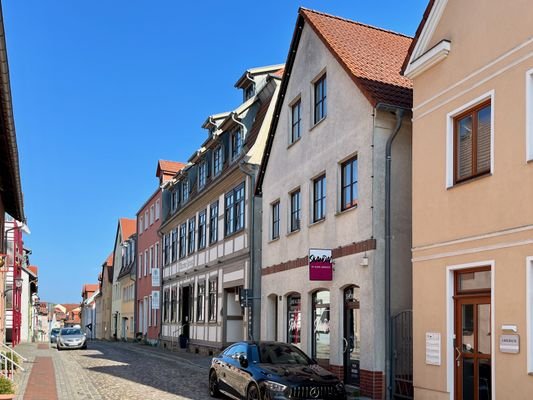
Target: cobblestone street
(112,371)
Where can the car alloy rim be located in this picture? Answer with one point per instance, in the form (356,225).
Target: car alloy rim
(253,393)
(213,383)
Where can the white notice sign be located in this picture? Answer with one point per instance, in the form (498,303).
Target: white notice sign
(155,277)
(432,348)
(510,344)
(155,299)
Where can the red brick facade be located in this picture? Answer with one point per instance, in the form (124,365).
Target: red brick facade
(372,384)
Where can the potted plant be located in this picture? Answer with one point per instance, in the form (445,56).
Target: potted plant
(7,391)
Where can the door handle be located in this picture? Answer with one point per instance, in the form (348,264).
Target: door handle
(345,345)
(458,358)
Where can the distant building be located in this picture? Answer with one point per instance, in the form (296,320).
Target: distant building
(126,286)
(104,299)
(88,309)
(149,257)
(208,213)
(29,302)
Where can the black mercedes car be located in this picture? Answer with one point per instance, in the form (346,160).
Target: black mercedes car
(271,371)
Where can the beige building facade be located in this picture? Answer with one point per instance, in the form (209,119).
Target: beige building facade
(322,186)
(472,71)
(103,300)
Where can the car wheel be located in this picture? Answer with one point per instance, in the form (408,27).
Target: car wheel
(253,392)
(213,385)
(58,348)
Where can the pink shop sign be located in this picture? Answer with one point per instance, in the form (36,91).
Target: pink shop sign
(320,265)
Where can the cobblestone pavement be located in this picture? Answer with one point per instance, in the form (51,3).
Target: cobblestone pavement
(116,371)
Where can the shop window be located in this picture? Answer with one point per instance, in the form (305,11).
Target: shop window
(321,317)
(294,319)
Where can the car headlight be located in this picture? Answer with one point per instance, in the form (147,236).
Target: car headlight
(275,386)
(340,387)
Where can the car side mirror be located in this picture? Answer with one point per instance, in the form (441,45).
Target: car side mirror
(243,361)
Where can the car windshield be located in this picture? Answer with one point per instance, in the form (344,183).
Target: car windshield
(55,331)
(70,331)
(279,353)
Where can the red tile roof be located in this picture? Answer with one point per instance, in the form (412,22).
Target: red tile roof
(168,167)
(109,260)
(128,226)
(279,73)
(372,56)
(34,269)
(90,287)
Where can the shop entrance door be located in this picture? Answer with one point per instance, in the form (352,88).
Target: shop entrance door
(473,347)
(186,292)
(352,337)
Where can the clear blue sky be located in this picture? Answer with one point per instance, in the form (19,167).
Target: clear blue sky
(103,89)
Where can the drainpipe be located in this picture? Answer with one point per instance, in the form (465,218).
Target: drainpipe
(254,279)
(399,112)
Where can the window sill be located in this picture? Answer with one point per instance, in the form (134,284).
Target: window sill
(273,240)
(318,123)
(293,232)
(293,143)
(317,222)
(229,235)
(466,182)
(341,212)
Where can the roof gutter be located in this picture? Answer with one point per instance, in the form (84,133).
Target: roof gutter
(7,111)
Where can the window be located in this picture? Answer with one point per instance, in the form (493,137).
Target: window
(200,298)
(296,121)
(173,301)
(174,244)
(166,295)
(140,266)
(275,220)
(192,223)
(249,91)
(151,260)
(349,184)
(185,191)
(145,261)
(202,228)
(213,223)
(212,301)
(9,296)
(166,249)
(218,160)
(320,326)
(150,311)
(529,313)
(236,143)
(320,99)
(234,215)
(146,220)
(294,319)
(319,198)
(472,137)
(295,210)
(202,174)
(152,214)
(140,225)
(183,233)
(174,199)
(157,209)
(156,256)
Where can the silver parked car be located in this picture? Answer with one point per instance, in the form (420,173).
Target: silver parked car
(71,338)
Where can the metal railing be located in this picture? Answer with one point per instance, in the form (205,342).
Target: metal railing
(9,365)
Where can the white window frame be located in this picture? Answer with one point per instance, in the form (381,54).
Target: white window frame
(450,134)
(145,219)
(529,313)
(152,214)
(156,255)
(151,265)
(529,115)
(141,225)
(145,261)
(157,209)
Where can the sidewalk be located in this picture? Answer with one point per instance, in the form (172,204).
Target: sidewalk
(38,381)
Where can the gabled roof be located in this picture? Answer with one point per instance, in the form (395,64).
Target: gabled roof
(128,227)
(242,81)
(90,287)
(168,167)
(371,56)
(109,260)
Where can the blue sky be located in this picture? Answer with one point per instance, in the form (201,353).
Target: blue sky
(103,89)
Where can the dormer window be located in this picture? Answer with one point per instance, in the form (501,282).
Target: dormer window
(202,174)
(249,91)
(236,143)
(174,199)
(185,191)
(218,160)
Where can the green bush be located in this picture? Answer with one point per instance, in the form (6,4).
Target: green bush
(6,386)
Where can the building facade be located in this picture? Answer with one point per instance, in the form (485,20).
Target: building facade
(88,309)
(341,101)
(103,300)
(208,223)
(472,191)
(126,285)
(149,258)
(123,254)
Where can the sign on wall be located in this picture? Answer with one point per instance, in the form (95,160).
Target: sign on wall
(510,344)
(155,277)
(432,348)
(155,299)
(320,265)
